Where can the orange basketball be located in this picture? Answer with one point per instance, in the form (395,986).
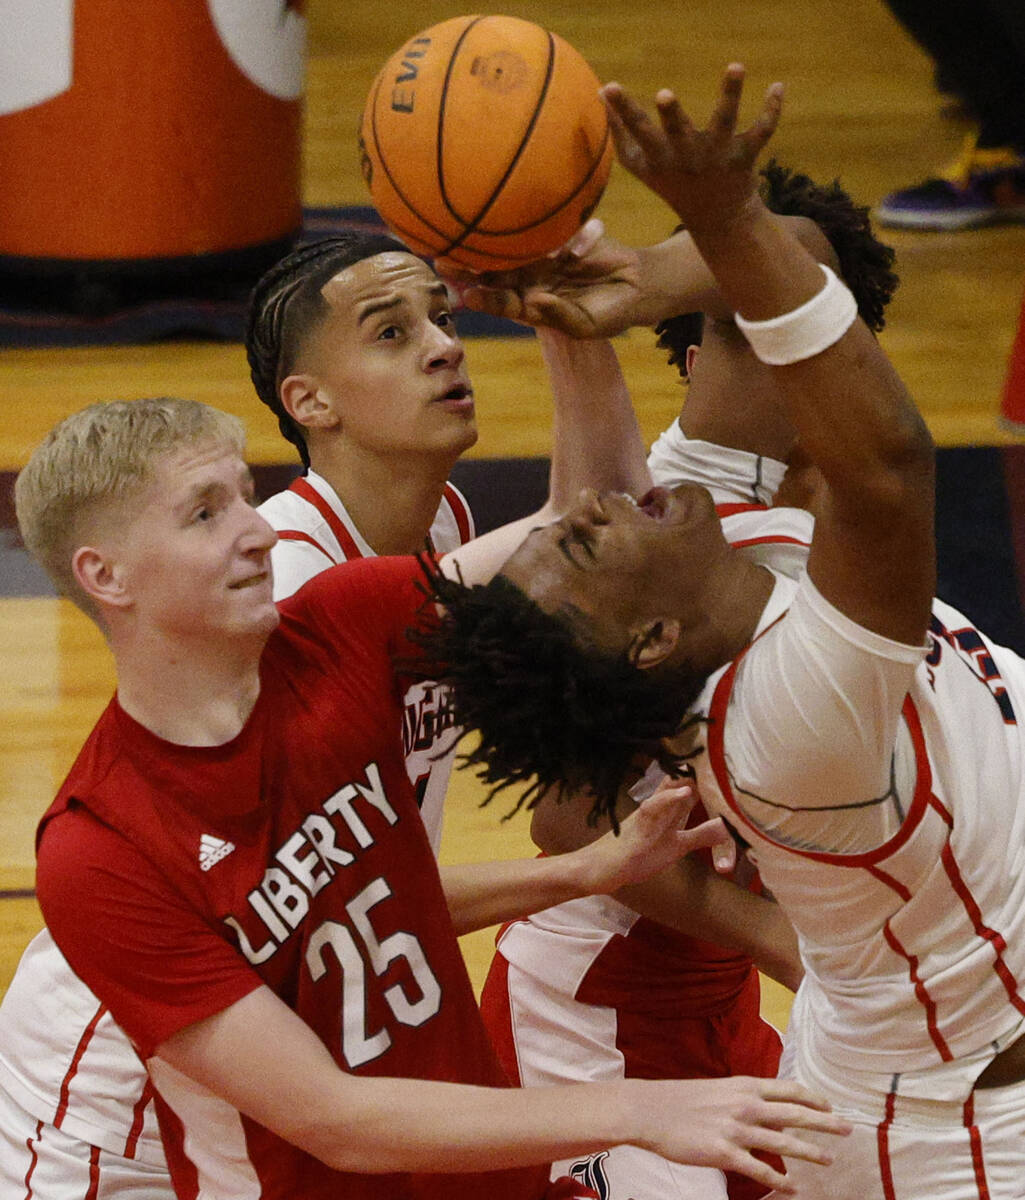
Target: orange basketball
(484,140)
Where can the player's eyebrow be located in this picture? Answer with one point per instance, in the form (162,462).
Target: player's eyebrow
(390,302)
(201,493)
(569,539)
(381,306)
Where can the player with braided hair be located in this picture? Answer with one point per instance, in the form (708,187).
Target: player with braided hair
(286,302)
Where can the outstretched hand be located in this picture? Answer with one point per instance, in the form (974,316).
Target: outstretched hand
(705,175)
(587,289)
(724,1122)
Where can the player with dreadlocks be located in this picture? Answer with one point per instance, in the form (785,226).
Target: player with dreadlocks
(863,737)
(554,1000)
(279,731)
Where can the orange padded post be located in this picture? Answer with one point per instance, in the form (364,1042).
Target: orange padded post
(148,130)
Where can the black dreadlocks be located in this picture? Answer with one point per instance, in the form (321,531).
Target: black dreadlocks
(286,304)
(549,710)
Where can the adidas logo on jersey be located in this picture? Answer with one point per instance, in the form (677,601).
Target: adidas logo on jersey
(212,850)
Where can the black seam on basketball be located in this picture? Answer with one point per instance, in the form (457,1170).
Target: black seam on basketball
(560,206)
(438,172)
(471,226)
(500,258)
(391,179)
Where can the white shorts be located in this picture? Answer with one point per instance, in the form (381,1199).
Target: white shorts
(39,1162)
(625,1172)
(548,1037)
(910,1149)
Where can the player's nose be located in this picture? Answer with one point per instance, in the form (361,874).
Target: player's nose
(442,347)
(258,535)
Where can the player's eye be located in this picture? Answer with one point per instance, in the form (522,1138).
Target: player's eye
(445,320)
(389,333)
(577,547)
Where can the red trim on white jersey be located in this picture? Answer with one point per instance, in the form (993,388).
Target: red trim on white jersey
(774,540)
(975,1140)
(921,993)
(728,510)
(138,1118)
(717,710)
(982,930)
(299,535)
(94,1173)
(80,1049)
(302,488)
(461,512)
(883,1142)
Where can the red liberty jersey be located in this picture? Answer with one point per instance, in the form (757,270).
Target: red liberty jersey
(178,879)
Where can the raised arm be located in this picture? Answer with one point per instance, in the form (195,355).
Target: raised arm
(873,554)
(596,442)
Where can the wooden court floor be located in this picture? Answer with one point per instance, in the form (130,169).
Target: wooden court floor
(860,105)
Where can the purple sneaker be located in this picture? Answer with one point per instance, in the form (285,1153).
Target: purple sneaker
(983,187)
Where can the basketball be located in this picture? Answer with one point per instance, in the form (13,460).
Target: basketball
(484,141)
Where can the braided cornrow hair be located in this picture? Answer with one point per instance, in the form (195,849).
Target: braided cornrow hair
(287,303)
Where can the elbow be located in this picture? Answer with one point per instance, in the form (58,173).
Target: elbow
(340,1149)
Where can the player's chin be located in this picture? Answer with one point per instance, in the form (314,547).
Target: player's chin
(256,611)
(459,421)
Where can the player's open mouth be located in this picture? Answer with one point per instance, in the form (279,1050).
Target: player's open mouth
(655,503)
(460,397)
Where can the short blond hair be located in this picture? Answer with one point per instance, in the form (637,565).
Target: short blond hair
(100,457)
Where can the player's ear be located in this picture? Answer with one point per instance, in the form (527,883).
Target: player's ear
(690,358)
(654,641)
(306,403)
(99,575)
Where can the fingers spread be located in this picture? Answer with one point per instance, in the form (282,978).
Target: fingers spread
(724,115)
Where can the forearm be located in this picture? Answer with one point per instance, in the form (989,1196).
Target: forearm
(480,559)
(850,409)
(287,1081)
(455,1127)
(596,441)
(692,900)
(673,277)
(874,552)
(482,894)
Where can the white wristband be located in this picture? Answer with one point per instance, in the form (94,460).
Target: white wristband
(805,331)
